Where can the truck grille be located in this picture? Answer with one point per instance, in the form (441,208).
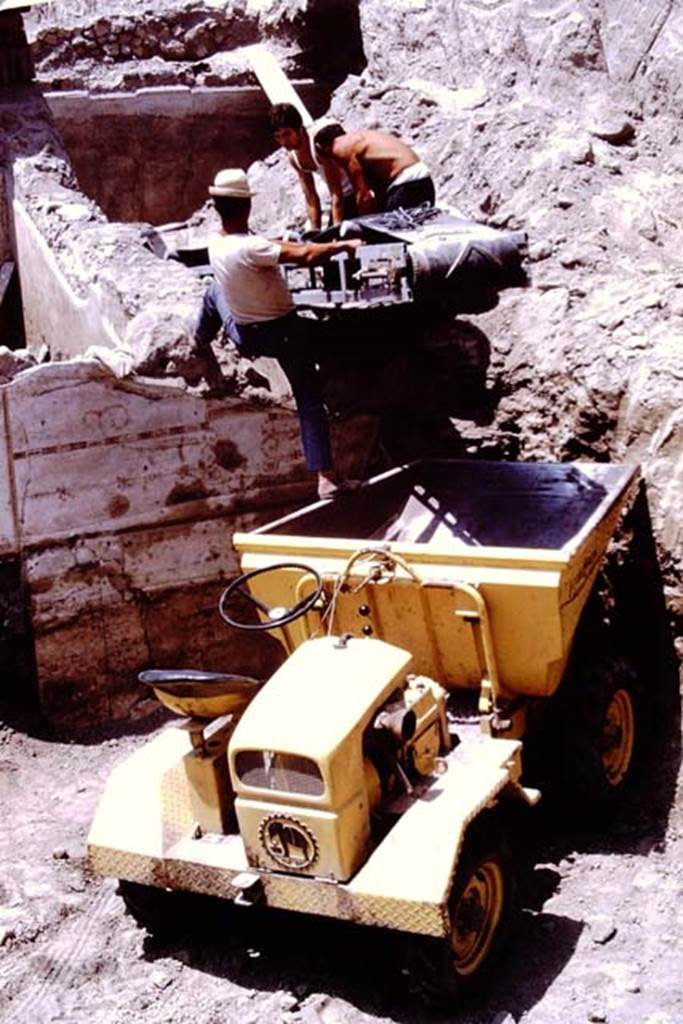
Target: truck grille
(286,773)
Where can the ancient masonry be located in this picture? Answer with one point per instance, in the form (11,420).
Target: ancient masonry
(118,494)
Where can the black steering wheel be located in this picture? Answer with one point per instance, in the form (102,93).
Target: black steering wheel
(277,615)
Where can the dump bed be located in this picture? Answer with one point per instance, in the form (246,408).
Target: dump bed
(517,545)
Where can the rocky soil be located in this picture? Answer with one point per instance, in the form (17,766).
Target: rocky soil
(599,937)
(563,119)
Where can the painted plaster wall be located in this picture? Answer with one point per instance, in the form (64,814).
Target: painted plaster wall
(9,541)
(122,499)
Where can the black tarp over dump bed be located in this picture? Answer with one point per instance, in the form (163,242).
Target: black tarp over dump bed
(448,503)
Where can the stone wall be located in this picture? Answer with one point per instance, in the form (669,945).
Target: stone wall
(186,35)
(192,43)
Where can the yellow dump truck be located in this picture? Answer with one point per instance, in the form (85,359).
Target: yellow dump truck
(426,618)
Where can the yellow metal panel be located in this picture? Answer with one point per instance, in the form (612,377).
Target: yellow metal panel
(176,804)
(419,855)
(133,867)
(533,596)
(322,683)
(522,605)
(403,885)
(199,866)
(132,804)
(337,842)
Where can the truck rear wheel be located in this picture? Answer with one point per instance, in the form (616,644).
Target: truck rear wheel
(602,727)
(481,910)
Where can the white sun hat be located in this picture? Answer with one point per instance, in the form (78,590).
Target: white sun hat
(232,182)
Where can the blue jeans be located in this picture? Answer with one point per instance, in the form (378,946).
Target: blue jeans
(291,340)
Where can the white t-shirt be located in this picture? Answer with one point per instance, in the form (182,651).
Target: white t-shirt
(246,268)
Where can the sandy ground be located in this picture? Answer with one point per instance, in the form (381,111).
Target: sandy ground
(599,937)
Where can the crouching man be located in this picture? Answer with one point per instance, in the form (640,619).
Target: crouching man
(250,298)
(386,173)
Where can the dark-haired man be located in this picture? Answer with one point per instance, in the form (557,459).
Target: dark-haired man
(298,139)
(250,298)
(386,173)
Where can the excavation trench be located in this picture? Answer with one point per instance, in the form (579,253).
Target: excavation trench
(148,155)
(119,492)
(121,489)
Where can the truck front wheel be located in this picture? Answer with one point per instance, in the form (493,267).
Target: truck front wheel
(481,910)
(476,912)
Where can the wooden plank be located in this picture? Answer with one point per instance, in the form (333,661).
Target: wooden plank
(273,80)
(20,5)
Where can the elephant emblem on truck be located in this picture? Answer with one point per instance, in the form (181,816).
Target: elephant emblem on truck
(290,843)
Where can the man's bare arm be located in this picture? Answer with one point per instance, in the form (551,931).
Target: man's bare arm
(333,179)
(308,254)
(313,208)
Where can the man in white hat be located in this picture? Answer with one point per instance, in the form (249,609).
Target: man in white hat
(250,298)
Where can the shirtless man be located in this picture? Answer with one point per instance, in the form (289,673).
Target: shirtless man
(385,173)
(289,132)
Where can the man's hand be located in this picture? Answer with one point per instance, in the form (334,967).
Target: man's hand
(350,245)
(308,254)
(366,202)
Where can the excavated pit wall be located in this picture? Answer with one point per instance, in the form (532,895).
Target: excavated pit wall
(120,492)
(119,496)
(150,106)
(147,154)
(555,117)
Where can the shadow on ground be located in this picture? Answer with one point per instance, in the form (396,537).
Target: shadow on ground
(272,951)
